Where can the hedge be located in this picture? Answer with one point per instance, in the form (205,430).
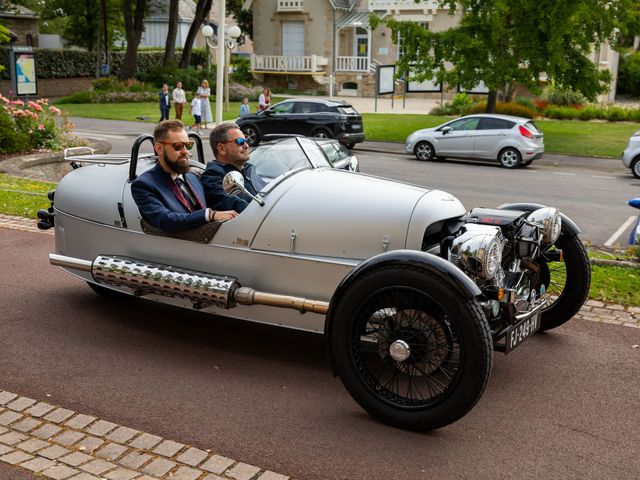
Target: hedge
(54,63)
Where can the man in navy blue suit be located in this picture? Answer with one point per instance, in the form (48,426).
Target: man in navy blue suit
(165,103)
(231,152)
(168,196)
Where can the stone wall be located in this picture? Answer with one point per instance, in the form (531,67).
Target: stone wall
(53,87)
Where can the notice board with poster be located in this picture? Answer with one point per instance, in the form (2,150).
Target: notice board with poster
(23,71)
(385,81)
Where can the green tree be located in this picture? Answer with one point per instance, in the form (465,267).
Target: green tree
(244,18)
(502,42)
(81,21)
(202,11)
(170,45)
(133,11)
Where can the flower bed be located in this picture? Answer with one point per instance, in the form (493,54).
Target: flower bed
(33,125)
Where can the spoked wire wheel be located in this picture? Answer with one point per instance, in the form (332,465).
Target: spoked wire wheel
(410,347)
(405,349)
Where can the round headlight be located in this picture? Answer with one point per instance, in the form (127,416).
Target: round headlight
(549,221)
(478,251)
(492,258)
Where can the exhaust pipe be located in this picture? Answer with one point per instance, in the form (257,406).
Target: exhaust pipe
(203,289)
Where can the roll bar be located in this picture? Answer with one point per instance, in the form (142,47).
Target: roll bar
(133,165)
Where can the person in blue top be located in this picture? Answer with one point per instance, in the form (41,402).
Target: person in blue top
(231,152)
(244,106)
(168,196)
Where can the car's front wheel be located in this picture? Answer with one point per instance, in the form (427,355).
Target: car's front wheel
(321,133)
(424,151)
(252,135)
(409,349)
(635,167)
(509,158)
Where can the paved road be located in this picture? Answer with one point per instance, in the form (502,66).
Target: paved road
(564,405)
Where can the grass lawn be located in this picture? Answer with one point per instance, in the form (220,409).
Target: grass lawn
(589,139)
(23,197)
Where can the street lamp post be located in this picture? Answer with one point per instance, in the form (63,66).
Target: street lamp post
(226,39)
(230,42)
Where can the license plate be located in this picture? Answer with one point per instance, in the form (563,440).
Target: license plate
(356,127)
(521,331)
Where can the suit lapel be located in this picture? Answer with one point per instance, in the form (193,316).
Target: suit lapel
(195,191)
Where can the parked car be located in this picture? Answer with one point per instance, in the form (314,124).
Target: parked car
(412,291)
(512,141)
(631,154)
(307,117)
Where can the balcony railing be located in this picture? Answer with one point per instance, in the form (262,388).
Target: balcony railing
(290,5)
(404,5)
(352,64)
(287,64)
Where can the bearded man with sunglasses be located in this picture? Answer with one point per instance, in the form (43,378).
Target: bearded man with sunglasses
(168,196)
(231,152)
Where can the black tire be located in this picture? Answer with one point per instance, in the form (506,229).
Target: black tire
(635,167)
(350,145)
(252,135)
(567,281)
(509,158)
(424,151)
(110,293)
(321,133)
(447,337)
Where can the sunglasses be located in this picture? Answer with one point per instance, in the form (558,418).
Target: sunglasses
(177,146)
(239,141)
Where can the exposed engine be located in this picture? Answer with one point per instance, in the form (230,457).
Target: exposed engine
(498,250)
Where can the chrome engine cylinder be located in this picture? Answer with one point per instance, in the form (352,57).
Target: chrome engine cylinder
(146,278)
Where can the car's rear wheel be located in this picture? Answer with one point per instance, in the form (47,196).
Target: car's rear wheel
(635,167)
(321,133)
(509,158)
(409,349)
(350,145)
(252,135)
(424,151)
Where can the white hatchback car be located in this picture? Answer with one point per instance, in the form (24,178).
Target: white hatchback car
(631,154)
(513,141)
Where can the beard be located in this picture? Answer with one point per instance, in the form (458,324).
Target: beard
(179,165)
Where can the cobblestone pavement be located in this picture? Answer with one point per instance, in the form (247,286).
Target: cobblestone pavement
(61,444)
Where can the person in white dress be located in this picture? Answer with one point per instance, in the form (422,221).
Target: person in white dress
(204,92)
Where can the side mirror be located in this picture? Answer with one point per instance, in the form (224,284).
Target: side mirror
(446,130)
(354,166)
(233,184)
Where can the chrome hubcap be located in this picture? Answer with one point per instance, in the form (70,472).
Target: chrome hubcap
(399,350)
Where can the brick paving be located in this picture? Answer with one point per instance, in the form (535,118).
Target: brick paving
(51,451)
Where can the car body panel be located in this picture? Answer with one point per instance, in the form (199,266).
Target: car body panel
(340,219)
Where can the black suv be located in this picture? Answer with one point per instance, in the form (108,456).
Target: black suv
(308,117)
